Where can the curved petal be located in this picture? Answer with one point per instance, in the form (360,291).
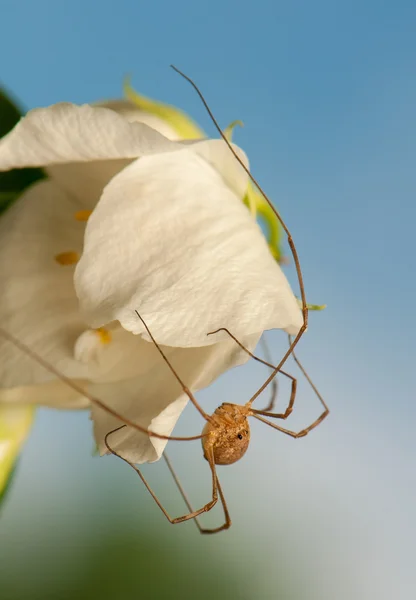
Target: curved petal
(55,394)
(38,304)
(65,133)
(219,156)
(39,307)
(176,125)
(170,240)
(125,356)
(132,113)
(155,399)
(183,125)
(86,180)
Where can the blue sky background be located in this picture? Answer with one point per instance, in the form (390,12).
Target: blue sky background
(327,92)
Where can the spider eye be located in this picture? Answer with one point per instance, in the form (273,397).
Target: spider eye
(240,437)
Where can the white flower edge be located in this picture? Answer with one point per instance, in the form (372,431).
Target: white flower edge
(193,259)
(90,144)
(38,304)
(155,399)
(64,133)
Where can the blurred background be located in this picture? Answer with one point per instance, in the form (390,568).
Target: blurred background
(327,92)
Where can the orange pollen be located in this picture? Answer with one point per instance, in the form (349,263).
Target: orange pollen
(104,335)
(67,258)
(82,215)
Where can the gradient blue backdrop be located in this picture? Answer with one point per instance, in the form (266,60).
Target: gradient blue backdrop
(327,92)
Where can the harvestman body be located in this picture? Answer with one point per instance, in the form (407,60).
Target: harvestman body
(226,435)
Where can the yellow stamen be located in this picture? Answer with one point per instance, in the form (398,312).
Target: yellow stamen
(83,215)
(104,335)
(67,258)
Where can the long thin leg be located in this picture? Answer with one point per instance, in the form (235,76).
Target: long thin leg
(289,409)
(227,523)
(292,396)
(165,358)
(283,224)
(309,380)
(181,490)
(191,515)
(275,383)
(268,364)
(69,382)
(294,434)
(319,420)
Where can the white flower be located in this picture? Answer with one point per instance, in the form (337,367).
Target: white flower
(169,236)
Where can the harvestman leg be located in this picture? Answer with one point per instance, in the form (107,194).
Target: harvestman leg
(257,413)
(275,383)
(269,407)
(317,421)
(216,488)
(192,514)
(186,390)
(96,401)
(227,523)
(127,422)
(290,241)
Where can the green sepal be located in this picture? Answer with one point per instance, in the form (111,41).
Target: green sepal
(180,122)
(314,307)
(229,130)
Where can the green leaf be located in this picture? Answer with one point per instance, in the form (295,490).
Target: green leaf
(15,425)
(15,181)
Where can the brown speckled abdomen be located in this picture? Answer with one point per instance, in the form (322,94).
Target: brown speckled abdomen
(228,434)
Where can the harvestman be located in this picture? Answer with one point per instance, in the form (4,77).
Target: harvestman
(226,435)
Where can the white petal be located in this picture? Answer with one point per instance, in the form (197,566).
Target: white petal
(86,180)
(130,112)
(219,156)
(55,394)
(170,240)
(66,132)
(38,303)
(155,399)
(124,357)
(165,422)
(216,152)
